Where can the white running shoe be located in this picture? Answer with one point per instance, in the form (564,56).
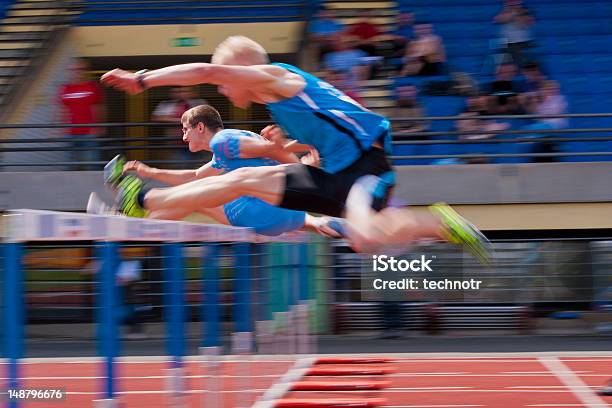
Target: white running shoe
(95,205)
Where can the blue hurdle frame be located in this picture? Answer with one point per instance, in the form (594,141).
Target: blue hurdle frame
(175,306)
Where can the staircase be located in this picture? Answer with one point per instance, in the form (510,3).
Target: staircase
(27,31)
(375,93)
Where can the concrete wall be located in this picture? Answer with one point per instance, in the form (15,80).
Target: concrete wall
(417,185)
(502,184)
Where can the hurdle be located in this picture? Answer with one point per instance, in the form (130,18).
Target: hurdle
(108,232)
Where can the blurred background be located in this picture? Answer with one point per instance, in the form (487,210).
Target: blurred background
(500,108)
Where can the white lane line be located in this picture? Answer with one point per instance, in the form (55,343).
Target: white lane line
(564,405)
(158,392)
(147,360)
(540,372)
(431,406)
(392,390)
(426,389)
(545,386)
(284,384)
(491,375)
(145,377)
(396,375)
(449,390)
(572,381)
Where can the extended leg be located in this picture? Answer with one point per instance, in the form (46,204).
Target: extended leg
(266,183)
(368,229)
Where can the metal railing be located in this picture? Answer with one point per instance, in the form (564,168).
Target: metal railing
(539,277)
(21,152)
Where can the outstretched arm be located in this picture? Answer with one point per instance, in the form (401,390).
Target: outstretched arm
(258,78)
(170,177)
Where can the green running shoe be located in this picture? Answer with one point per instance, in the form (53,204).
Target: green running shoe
(461,232)
(113,170)
(127,197)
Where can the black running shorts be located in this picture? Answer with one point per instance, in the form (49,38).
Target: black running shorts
(311,189)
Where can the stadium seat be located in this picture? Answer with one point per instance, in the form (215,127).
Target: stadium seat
(443,106)
(122,12)
(513,148)
(410,150)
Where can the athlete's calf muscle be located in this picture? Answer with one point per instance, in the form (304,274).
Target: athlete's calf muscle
(265,183)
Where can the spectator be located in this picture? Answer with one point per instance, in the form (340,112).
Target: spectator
(394,44)
(505,89)
(478,103)
(366,34)
(425,55)
(478,123)
(515,35)
(345,58)
(407,107)
(476,110)
(322,29)
(340,81)
(170,111)
(81,101)
(549,102)
(534,79)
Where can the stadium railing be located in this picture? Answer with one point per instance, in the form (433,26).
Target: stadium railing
(192,12)
(589,143)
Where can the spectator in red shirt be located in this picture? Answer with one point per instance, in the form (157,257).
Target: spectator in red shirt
(366,34)
(82,102)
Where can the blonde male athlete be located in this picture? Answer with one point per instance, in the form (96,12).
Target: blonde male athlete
(352,142)
(232,148)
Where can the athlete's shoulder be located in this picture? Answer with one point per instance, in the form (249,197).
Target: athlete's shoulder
(227,134)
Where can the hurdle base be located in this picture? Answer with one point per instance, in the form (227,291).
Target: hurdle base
(212,363)
(176,387)
(106,403)
(264,337)
(242,343)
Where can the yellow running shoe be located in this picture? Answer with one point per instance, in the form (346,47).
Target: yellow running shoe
(461,232)
(127,197)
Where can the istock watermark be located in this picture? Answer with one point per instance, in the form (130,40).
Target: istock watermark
(392,278)
(384,263)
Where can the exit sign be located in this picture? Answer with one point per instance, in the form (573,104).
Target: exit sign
(185,42)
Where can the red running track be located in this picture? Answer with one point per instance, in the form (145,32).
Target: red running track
(424,382)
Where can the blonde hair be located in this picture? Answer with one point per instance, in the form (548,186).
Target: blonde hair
(242,48)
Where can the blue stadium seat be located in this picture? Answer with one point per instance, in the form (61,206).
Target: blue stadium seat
(443,106)
(598,63)
(475,148)
(513,148)
(122,12)
(467,47)
(443,149)
(575,84)
(584,147)
(410,150)
(472,64)
(565,64)
(569,11)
